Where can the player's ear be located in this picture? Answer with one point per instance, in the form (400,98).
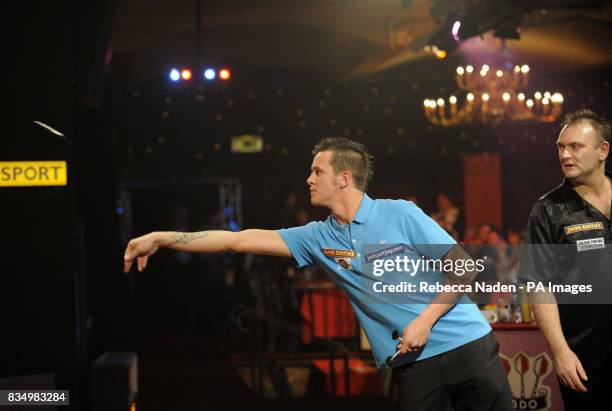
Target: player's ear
(605,151)
(346,177)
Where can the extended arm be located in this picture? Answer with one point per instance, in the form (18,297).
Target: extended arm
(267,242)
(569,368)
(538,263)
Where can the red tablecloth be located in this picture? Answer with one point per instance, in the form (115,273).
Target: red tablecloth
(331,315)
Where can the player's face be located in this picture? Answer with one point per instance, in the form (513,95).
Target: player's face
(322,182)
(580,150)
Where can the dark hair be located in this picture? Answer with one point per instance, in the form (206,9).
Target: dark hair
(599,123)
(348,155)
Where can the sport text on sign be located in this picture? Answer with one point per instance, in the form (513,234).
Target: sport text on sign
(33,173)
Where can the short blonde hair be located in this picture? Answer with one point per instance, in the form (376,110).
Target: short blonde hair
(348,155)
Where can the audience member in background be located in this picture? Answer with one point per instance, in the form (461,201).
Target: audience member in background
(481,247)
(495,237)
(514,239)
(482,233)
(515,236)
(469,236)
(447,216)
(506,261)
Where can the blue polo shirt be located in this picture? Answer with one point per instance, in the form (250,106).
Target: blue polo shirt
(385,222)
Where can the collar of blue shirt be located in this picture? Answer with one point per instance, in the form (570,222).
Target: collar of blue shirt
(362,212)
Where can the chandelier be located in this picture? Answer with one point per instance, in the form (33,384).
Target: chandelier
(492,96)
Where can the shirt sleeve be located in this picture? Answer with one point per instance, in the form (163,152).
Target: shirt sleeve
(537,256)
(301,241)
(425,235)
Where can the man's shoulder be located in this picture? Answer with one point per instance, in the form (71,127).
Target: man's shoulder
(311,226)
(396,211)
(318,224)
(554,204)
(398,204)
(558,195)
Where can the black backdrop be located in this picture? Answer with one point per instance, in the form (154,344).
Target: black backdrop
(57,242)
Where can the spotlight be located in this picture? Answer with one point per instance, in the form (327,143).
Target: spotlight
(175,75)
(455,31)
(224,74)
(186,74)
(210,74)
(445,37)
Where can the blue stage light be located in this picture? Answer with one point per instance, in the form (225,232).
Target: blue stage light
(210,74)
(175,75)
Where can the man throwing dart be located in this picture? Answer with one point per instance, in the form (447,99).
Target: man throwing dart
(448,358)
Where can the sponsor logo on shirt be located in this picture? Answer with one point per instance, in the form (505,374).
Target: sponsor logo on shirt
(342,257)
(590,244)
(387,252)
(571,229)
(330,252)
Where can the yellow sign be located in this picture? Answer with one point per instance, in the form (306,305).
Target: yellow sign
(33,173)
(247,143)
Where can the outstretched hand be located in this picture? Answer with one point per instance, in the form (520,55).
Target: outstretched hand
(570,371)
(139,249)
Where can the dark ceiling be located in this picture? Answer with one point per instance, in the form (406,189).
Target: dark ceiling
(345,39)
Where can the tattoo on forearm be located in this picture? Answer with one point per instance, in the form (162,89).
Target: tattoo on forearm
(184,238)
